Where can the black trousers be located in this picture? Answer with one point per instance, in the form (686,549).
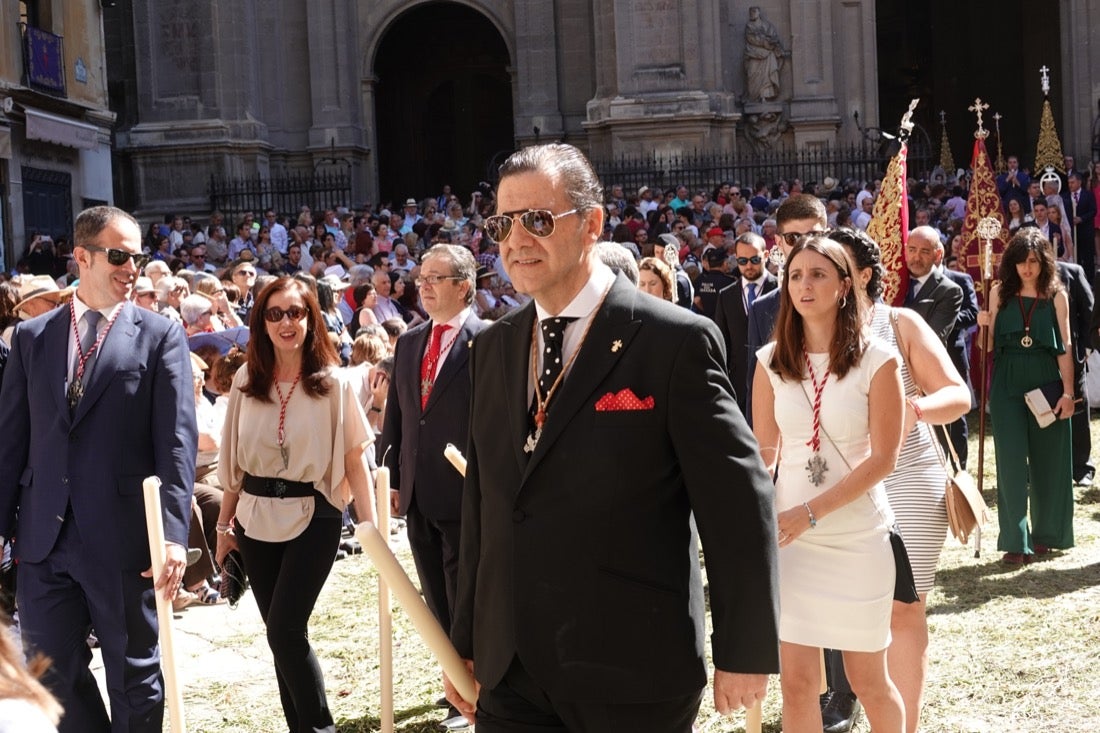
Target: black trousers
(287,577)
(519,705)
(434,545)
(1082,439)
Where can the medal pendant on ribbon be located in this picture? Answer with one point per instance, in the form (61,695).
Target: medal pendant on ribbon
(532,441)
(817,469)
(285,456)
(76,391)
(1026,342)
(425,387)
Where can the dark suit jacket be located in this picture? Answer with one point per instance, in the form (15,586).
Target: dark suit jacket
(733,321)
(967,318)
(581,557)
(1081,302)
(1086,209)
(136,419)
(761,317)
(416,439)
(938,302)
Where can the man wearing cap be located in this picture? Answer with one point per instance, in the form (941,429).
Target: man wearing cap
(37,294)
(712,279)
(97,397)
(429,408)
(145,295)
(411,216)
(646,203)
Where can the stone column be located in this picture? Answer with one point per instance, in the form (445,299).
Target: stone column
(814,112)
(1080,81)
(536,70)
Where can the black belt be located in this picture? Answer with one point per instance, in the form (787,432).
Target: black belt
(277,488)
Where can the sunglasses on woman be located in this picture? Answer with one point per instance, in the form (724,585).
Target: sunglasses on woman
(276,315)
(118,257)
(537,222)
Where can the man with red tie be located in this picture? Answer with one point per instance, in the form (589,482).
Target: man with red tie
(429,407)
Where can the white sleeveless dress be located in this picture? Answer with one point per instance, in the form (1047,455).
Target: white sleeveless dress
(836,581)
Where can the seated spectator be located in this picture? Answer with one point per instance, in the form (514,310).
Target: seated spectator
(145,295)
(197,313)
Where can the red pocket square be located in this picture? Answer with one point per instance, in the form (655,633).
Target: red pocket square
(622,400)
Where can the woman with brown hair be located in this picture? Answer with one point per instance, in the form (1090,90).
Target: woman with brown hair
(828,413)
(26,706)
(291,458)
(1028,330)
(655,277)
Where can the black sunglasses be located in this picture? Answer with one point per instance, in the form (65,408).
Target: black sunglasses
(275,315)
(118,257)
(537,222)
(792,238)
(755,259)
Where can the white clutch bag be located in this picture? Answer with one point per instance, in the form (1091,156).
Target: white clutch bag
(1041,402)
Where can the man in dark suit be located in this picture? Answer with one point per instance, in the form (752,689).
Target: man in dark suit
(931,294)
(1080,204)
(1081,303)
(732,314)
(798,215)
(96,397)
(604,422)
(429,407)
(956,348)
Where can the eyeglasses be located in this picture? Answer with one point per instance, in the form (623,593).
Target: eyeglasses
(197,256)
(792,238)
(755,259)
(119,257)
(434,280)
(246,273)
(276,315)
(537,222)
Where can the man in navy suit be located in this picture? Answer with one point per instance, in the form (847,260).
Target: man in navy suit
(956,348)
(429,407)
(734,301)
(96,397)
(798,215)
(602,418)
(1080,204)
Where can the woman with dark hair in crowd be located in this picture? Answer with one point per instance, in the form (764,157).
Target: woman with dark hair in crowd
(291,459)
(1028,331)
(407,297)
(935,395)
(828,412)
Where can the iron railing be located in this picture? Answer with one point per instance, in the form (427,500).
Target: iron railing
(285,193)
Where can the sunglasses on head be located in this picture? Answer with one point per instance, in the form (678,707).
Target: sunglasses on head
(792,238)
(118,257)
(275,315)
(755,259)
(537,222)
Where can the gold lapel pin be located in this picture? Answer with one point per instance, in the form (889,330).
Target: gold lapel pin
(470,344)
(616,345)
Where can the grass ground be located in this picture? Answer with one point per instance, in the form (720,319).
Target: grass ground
(1011,649)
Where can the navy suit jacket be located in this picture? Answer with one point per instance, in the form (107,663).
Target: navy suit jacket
(733,321)
(762,317)
(416,438)
(136,419)
(968,316)
(580,558)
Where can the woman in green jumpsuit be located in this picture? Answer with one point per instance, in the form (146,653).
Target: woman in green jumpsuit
(1029,319)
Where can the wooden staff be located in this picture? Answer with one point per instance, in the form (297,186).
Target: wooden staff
(154,523)
(454,455)
(754,721)
(385,611)
(423,620)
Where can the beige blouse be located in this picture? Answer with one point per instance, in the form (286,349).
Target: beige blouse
(319,431)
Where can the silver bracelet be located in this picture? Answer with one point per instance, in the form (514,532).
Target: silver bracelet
(813,519)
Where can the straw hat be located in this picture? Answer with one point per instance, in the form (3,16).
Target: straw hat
(40,286)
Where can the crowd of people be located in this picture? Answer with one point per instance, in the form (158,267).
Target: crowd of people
(738,333)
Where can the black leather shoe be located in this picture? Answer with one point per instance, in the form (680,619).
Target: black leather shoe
(841,713)
(442,703)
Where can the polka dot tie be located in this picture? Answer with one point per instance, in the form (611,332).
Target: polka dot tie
(553,337)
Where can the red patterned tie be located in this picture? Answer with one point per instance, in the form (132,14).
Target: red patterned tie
(428,365)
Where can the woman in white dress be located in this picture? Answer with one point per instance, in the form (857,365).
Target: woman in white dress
(828,412)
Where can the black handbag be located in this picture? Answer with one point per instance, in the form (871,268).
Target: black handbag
(905,586)
(234,581)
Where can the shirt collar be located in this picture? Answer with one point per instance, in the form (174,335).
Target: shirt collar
(81,308)
(456,322)
(587,299)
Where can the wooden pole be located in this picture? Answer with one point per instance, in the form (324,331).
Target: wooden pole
(423,620)
(984,338)
(385,611)
(154,523)
(754,721)
(454,455)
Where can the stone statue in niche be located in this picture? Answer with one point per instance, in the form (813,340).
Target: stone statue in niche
(762,130)
(764,54)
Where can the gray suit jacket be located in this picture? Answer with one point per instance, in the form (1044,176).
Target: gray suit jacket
(938,303)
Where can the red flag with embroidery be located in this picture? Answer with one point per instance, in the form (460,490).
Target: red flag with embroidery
(982,202)
(889,227)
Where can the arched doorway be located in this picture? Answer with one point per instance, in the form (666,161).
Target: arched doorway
(443,101)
